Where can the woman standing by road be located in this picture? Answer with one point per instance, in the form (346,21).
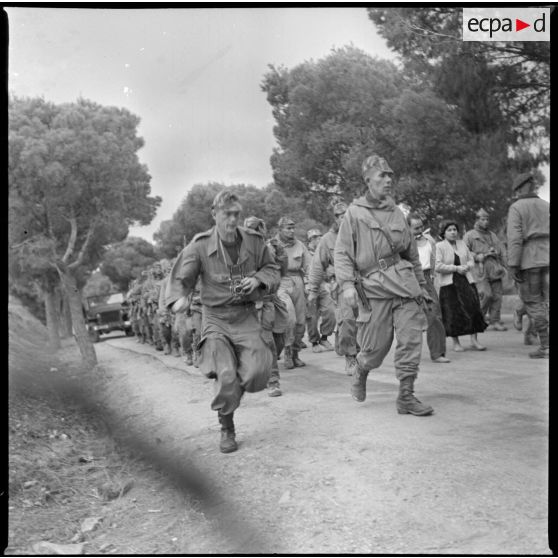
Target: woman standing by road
(459,299)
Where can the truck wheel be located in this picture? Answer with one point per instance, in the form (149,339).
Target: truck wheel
(94,336)
(129,332)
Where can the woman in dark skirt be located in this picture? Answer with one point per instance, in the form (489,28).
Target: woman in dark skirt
(459,299)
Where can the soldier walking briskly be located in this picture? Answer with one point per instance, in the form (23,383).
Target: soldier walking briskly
(378,268)
(273,312)
(292,290)
(489,255)
(236,269)
(320,309)
(435,332)
(321,269)
(529,257)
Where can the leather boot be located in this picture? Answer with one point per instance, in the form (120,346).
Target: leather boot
(289,364)
(296,361)
(358,387)
(407,402)
(228,442)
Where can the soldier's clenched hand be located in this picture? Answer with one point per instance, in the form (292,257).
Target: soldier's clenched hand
(249,284)
(350,296)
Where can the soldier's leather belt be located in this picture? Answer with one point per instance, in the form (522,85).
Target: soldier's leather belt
(382,264)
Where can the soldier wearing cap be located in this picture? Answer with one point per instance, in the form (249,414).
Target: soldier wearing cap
(322,269)
(320,306)
(274,316)
(378,267)
(528,235)
(292,290)
(150,298)
(236,269)
(489,255)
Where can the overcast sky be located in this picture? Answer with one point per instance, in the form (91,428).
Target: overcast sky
(192,75)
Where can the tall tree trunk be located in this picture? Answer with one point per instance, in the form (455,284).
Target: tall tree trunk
(65,316)
(52,318)
(88,355)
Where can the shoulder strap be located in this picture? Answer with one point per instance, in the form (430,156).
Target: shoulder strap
(386,232)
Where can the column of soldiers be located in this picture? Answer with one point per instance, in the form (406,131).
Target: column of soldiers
(238,300)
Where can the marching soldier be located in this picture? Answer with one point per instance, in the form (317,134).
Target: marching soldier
(378,268)
(235,269)
(323,268)
(321,306)
(292,290)
(274,316)
(529,256)
(489,255)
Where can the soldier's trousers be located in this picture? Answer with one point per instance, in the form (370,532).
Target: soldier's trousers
(375,332)
(291,292)
(235,353)
(435,332)
(491,300)
(534,294)
(324,308)
(345,338)
(272,333)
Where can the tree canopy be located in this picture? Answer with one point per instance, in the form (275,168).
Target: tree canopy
(76,185)
(126,260)
(495,86)
(333,112)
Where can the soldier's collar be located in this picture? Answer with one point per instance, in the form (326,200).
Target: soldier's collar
(363,201)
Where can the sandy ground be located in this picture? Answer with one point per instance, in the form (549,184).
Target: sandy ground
(317,472)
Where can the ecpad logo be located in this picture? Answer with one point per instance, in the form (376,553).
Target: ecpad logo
(506,24)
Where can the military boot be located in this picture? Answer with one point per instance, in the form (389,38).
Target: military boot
(358,387)
(188,358)
(289,364)
(228,442)
(296,361)
(407,402)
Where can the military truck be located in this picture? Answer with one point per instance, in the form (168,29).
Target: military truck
(107,313)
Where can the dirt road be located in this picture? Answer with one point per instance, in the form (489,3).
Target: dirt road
(317,472)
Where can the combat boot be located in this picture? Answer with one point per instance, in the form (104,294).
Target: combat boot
(358,387)
(228,442)
(273,390)
(350,364)
(188,358)
(318,348)
(407,403)
(289,364)
(326,344)
(296,361)
(539,353)
(517,320)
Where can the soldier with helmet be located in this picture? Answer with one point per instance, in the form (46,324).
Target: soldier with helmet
(320,309)
(236,269)
(378,267)
(322,268)
(292,290)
